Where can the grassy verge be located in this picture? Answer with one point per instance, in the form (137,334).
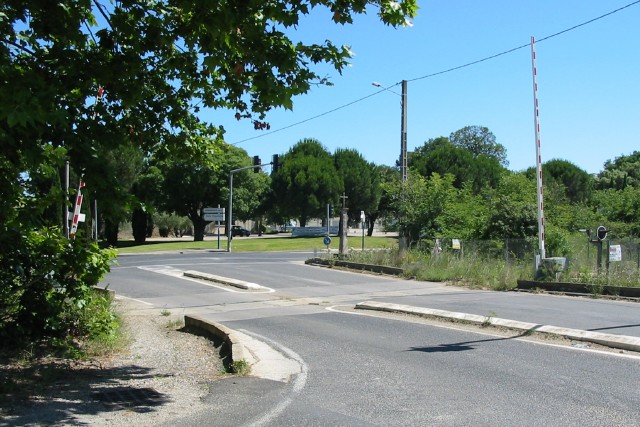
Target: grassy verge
(265,244)
(473,272)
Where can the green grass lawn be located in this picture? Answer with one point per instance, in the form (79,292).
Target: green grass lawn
(240,244)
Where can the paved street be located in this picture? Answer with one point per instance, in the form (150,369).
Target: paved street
(356,369)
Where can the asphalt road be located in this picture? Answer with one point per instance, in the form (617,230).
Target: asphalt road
(357,369)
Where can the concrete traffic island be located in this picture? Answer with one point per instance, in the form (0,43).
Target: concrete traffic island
(374,268)
(223,280)
(623,342)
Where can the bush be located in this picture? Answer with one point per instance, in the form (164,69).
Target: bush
(47,292)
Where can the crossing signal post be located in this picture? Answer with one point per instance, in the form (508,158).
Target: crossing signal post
(601,235)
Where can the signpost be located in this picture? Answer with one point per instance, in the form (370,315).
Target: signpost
(362,218)
(214,214)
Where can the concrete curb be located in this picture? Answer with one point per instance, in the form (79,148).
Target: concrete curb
(374,268)
(614,341)
(223,280)
(236,349)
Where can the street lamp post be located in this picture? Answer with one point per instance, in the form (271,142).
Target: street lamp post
(403,127)
(403,133)
(403,147)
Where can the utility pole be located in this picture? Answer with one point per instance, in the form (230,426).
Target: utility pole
(403,133)
(402,244)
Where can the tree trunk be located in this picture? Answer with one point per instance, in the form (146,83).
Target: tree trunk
(198,228)
(372,223)
(111,232)
(139,225)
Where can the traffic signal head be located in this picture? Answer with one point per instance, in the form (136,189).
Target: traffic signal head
(275,161)
(256,162)
(601,232)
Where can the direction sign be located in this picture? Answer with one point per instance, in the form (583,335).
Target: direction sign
(213,210)
(214,217)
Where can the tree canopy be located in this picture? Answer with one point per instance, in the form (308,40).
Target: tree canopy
(82,80)
(576,183)
(441,156)
(623,171)
(361,183)
(307,181)
(479,140)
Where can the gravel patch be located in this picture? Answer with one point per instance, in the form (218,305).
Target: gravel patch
(163,375)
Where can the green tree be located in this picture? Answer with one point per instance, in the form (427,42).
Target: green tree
(441,156)
(361,184)
(420,202)
(154,65)
(465,215)
(479,140)
(389,183)
(512,208)
(307,181)
(188,188)
(147,190)
(621,209)
(622,172)
(577,183)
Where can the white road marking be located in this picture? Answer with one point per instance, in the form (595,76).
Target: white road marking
(298,383)
(336,309)
(134,299)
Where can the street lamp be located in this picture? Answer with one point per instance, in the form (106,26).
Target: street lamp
(403,127)
(403,147)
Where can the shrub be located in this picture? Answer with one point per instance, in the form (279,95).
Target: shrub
(47,290)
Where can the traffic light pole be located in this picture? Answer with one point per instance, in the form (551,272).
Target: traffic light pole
(230,218)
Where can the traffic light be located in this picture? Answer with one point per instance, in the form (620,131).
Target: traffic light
(256,162)
(601,232)
(331,211)
(275,161)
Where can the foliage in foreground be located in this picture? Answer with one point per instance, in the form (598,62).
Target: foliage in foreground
(47,295)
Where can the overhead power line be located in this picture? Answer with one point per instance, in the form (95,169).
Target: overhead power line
(442,72)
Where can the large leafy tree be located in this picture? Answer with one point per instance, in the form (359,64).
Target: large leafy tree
(361,183)
(307,181)
(190,187)
(441,156)
(479,140)
(153,64)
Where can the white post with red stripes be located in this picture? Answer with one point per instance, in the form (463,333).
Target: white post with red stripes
(76,212)
(538,156)
(98,99)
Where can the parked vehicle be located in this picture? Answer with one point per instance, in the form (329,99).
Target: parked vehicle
(236,230)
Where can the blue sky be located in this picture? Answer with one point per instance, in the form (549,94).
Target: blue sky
(588,88)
